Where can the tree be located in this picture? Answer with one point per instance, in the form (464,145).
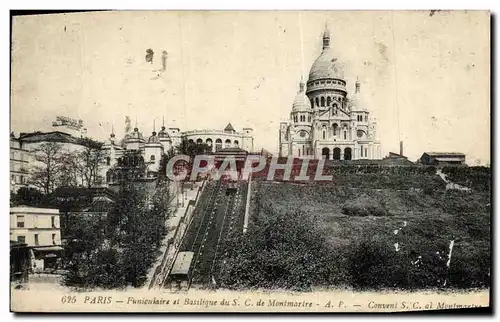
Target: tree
(283,250)
(129,167)
(191,148)
(162,169)
(27,196)
(44,175)
(90,160)
(161,209)
(68,169)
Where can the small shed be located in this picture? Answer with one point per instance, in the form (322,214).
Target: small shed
(442,158)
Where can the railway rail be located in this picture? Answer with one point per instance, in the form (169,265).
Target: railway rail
(218,218)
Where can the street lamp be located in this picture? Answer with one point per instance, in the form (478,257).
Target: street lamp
(182,191)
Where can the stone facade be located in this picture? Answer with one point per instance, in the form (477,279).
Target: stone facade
(167,139)
(325,121)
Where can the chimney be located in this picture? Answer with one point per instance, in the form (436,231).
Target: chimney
(401,148)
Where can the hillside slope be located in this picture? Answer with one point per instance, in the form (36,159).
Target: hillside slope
(388,229)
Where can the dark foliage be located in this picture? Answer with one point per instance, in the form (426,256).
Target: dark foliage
(27,196)
(192,149)
(118,250)
(283,251)
(476,178)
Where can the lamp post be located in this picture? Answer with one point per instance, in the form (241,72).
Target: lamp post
(182,192)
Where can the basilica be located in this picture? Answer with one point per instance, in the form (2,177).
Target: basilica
(325,121)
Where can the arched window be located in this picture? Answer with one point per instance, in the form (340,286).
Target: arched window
(322,101)
(335,126)
(324,134)
(108,160)
(317,101)
(312,103)
(328,101)
(309,118)
(345,135)
(227,143)
(236,144)
(199,141)
(218,144)
(152,158)
(209,142)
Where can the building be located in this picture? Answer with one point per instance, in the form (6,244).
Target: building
(153,147)
(442,158)
(222,139)
(23,152)
(38,228)
(396,160)
(19,158)
(78,206)
(326,122)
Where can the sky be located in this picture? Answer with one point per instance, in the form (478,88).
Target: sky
(425,76)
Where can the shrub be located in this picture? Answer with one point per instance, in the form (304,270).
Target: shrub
(364,206)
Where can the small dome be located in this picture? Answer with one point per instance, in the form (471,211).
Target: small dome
(301,102)
(163,134)
(153,138)
(135,135)
(357,101)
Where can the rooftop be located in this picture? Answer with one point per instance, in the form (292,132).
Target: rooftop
(34,210)
(445,154)
(231,150)
(229,128)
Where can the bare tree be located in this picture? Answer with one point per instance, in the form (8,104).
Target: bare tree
(44,175)
(90,160)
(68,172)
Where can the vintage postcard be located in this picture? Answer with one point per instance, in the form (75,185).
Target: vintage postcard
(250,161)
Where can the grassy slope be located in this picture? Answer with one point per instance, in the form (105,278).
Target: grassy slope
(433,217)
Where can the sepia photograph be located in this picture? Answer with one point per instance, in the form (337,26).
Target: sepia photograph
(250,161)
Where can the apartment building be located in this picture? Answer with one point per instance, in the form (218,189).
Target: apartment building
(39,228)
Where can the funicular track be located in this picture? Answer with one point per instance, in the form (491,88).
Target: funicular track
(206,254)
(200,221)
(217,220)
(232,227)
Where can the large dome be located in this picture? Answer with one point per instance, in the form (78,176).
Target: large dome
(326,65)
